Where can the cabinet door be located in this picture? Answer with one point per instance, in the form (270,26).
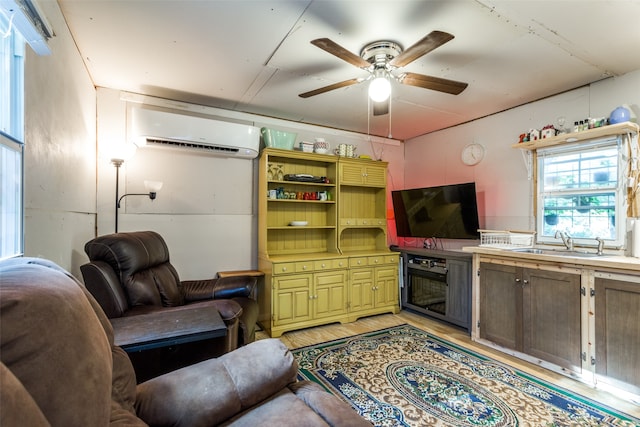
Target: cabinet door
(375,176)
(386,286)
(330,293)
(292,299)
(363,174)
(500,305)
(551,317)
(459,292)
(352,174)
(617,327)
(361,289)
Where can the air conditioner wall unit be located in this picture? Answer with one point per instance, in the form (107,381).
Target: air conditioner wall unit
(154,128)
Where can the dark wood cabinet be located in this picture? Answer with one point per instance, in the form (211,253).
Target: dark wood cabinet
(617,330)
(533,311)
(459,292)
(500,305)
(551,317)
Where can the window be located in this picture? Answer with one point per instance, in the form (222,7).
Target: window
(20,20)
(11,134)
(11,198)
(580,192)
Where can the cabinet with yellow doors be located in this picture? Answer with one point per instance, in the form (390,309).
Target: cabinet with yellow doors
(316,249)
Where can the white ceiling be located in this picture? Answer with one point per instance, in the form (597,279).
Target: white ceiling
(254,55)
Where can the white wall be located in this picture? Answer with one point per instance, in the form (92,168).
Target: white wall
(502,180)
(59,163)
(216,229)
(207,207)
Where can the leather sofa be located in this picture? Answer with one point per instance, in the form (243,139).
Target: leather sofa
(131,273)
(60,368)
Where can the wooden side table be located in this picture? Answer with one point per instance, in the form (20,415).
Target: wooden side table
(167,328)
(232,273)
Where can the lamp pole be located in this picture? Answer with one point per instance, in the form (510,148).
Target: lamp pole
(117,163)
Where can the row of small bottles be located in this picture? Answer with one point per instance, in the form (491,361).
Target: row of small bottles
(590,123)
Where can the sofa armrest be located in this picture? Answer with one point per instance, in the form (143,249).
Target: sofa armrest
(215,390)
(103,283)
(221,288)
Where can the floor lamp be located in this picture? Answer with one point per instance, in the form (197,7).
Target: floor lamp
(152,187)
(117,163)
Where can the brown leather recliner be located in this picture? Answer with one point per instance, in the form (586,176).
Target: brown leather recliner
(130,274)
(60,368)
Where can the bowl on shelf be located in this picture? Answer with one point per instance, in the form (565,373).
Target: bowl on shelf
(278,138)
(298,223)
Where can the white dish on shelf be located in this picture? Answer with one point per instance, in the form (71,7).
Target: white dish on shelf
(298,223)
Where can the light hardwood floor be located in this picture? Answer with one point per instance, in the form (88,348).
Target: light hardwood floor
(320,334)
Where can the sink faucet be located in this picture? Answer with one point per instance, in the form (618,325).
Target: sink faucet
(600,245)
(566,239)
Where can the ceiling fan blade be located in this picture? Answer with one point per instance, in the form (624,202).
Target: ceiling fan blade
(434,83)
(342,53)
(381,108)
(338,85)
(431,41)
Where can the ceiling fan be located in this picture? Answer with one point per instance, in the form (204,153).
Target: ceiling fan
(381,59)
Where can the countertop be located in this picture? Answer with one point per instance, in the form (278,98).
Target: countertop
(603,261)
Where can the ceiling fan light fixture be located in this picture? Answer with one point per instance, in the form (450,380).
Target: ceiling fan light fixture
(380,88)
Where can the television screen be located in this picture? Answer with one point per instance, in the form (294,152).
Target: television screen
(446,212)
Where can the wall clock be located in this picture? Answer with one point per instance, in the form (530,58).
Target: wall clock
(472,154)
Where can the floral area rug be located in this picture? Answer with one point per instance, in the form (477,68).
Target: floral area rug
(401,376)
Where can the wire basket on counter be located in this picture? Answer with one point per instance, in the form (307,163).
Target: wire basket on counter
(505,239)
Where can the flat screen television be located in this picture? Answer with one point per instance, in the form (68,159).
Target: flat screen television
(445,212)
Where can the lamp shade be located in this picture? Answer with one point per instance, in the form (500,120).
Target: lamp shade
(379,89)
(153,186)
(117,151)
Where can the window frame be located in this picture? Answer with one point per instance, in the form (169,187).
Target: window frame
(11,208)
(618,189)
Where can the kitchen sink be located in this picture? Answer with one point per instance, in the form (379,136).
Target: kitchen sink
(557,252)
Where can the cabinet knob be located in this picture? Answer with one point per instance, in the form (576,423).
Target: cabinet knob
(525,282)
(359,262)
(304,267)
(323,265)
(376,261)
(517,280)
(284,268)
